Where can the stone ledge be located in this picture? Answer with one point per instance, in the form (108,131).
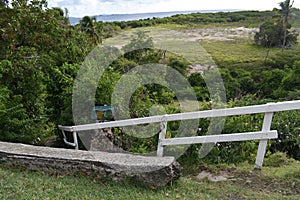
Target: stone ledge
(152,171)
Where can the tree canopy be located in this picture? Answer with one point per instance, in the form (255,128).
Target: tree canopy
(36,44)
(275,32)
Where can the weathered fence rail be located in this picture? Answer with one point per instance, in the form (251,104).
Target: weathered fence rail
(264,135)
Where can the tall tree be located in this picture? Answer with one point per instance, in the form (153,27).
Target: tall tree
(285,12)
(275,31)
(87,24)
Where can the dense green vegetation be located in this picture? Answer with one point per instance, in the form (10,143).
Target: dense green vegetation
(241,18)
(246,18)
(41,54)
(275,32)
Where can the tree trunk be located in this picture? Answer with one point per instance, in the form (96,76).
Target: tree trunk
(286,8)
(268,53)
(285,33)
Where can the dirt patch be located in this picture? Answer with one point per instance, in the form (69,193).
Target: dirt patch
(196,34)
(257,181)
(254,180)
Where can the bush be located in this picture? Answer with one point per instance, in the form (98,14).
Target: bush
(287,124)
(277,159)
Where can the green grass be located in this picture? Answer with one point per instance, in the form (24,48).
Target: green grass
(189,50)
(237,51)
(271,183)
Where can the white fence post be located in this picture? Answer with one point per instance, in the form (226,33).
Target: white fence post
(162,135)
(263,143)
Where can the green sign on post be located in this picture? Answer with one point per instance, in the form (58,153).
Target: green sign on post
(103,113)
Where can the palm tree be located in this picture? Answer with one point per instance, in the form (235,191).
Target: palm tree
(285,12)
(87,24)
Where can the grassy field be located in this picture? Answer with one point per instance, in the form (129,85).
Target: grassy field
(222,46)
(243,183)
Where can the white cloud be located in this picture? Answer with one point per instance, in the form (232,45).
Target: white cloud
(54,3)
(79,8)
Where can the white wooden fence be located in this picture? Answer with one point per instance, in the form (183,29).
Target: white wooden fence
(263,135)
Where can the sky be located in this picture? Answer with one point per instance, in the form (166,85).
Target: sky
(80,8)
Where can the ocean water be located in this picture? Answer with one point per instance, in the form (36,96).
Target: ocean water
(137,16)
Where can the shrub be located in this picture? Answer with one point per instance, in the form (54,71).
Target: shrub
(277,159)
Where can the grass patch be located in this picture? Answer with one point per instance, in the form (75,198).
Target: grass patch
(234,52)
(189,50)
(271,183)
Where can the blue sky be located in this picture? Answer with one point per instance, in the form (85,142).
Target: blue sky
(80,8)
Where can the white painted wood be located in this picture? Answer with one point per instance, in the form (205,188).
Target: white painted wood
(162,136)
(263,143)
(221,138)
(271,107)
(261,154)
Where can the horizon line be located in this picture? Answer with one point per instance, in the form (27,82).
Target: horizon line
(210,10)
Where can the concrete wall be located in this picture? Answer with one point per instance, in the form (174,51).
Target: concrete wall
(154,171)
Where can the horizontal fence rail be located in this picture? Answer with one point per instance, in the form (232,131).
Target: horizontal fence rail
(220,138)
(268,109)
